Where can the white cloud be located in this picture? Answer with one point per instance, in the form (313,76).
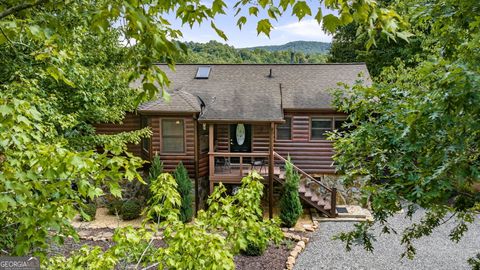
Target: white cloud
(305,30)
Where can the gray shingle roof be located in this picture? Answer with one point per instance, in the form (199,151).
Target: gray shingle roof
(246,92)
(180,101)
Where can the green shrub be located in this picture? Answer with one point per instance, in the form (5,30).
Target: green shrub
(131,209)
(255,248)
(290,205)
(184,187)
(115,207)
(156,168)
(91,210)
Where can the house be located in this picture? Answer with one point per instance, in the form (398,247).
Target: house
(224,120)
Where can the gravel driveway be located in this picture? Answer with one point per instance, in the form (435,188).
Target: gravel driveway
(434,252)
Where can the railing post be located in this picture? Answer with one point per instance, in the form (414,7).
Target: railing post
(211,158)
(333,202)
(241,166)
(271,170)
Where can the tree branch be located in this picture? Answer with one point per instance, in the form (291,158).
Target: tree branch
(20,7)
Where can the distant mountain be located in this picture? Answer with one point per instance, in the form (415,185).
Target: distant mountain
(214,52)
(298,46)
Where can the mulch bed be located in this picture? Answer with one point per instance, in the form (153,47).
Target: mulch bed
(273,258)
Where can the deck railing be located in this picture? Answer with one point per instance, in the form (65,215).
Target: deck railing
(231,166)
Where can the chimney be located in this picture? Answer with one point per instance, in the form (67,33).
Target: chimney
(292,58)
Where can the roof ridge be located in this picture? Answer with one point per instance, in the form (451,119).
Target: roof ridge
(182,95)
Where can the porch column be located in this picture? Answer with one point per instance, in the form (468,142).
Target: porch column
(271,171)
(211,158)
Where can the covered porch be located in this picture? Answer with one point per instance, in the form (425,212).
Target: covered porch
(236,149)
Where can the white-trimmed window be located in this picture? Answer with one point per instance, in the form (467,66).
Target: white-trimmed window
(173,136)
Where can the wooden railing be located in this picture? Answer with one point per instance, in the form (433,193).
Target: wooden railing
(331,191)
(235,170)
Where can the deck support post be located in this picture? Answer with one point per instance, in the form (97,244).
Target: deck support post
(271,170)
(197,146)
(211,158)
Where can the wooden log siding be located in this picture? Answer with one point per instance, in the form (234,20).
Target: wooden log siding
(131,122)
(222,143)
(170,161)
(312,156)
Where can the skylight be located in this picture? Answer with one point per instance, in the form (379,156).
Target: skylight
(203,72)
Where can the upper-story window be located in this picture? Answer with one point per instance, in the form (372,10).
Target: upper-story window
(145,141)
(320,126)
(173,136)
(284,131)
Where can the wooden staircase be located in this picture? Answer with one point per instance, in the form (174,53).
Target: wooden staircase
(312,191)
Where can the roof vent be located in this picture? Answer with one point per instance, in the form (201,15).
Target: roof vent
(271,74)
(203,72)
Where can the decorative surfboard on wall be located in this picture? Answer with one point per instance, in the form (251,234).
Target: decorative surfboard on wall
(240,132)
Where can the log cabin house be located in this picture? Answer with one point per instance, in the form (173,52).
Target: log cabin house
(224,120)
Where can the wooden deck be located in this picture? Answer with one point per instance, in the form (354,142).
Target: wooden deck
(233,171)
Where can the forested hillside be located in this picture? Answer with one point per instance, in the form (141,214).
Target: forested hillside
(298,46)
(217,53)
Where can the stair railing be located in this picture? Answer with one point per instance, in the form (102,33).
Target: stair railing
(332,191)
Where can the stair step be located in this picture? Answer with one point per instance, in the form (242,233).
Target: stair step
(301,188)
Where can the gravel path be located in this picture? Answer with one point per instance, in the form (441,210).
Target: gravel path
(433,252)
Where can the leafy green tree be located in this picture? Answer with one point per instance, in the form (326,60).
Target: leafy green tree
(416,131)
(348,45)
(290,205)
(184,188)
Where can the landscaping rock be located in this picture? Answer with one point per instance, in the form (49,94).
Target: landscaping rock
(301,244)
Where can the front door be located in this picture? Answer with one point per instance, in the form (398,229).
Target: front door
(241,138)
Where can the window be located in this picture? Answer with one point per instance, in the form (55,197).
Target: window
(284,131)
(173,136)
(203,72)
(320,127)
(145,141)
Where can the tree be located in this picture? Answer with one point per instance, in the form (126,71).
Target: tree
(184,188)
(290,205)
(415,135)
(155,169)
(348,45)
(67,65)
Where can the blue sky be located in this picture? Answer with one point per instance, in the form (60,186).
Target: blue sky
(286,29)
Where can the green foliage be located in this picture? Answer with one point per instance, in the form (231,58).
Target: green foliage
(255,249)
(290,205)
(85,258)
(348,45)
(184,188)
(209,242)
(131,209)
(89,211)
(414,137)
(114,206)
(306,47)
(218,53)
(155,169)
(475,262)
